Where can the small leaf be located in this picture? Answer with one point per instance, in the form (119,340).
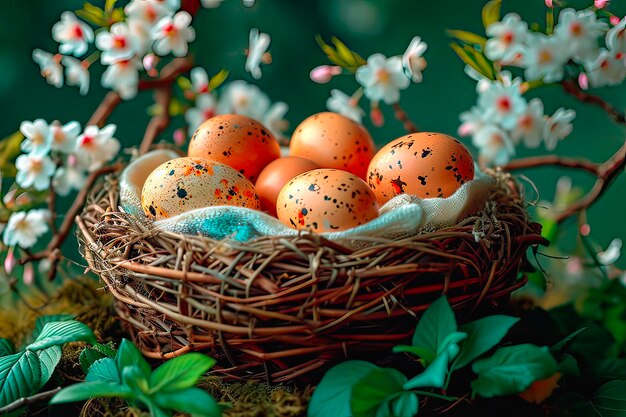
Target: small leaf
(109,5)
(482,335)
(103,370)
(61,332)
(92,14)
(406,405)
(569,365)
(129,355)
(91,354)
(559,346)
(437,323)
(332,395)
(86,390)
(218,79)
(434,376)
(9,151)
(49,359)
(43,320)
(134,378)
(20,376)
(6,347)
(192,401)
(512,369)
(340,54)
(467,37)
(183,83)
(181,372)
(467,59)
(491,12)
(374,391)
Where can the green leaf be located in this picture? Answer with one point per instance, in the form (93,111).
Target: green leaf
(512,369)
(49,359)
(181,372)
(576,405)
(92,14)
(109,5)
(183,83)
(9,151)
(6,347)
(491,12)
(467,37)
(332,395)
(191,400)
(129,355)
(415,350)
(482,335)
(435,325)
(406,405)
(469,60)
(374,391)
(89,355)
(569,365)
(559,346)
(43,320)
(20,376)
(134,378)
(610,399)
(103,370)
(86,390)
(434,375)
(61,332)
(218,79)
(340,54)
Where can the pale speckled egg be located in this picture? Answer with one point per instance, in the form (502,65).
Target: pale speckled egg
(334,141)
(275,175)
(237,141)
(184,184)
(424,164)
(326,200)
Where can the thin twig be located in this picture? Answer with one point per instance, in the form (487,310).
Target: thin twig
(545,160)
(402,116)
(570,87)
(25,401)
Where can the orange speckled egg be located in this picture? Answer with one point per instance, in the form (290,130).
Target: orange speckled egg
(334,141)
(237,141)
(184,184)
(326,200)
(423,164)
(275,175)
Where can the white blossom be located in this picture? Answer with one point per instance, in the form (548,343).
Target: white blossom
(118,44)
(471,121)
(557,127)
(382,78)
(123,77)
(412,61)
(494,144)
(24,228)
(97,146)
(579,32)
(340,102)
(73,35)
(147,11)
(242,98)
(545,58)
(206,107)
(199,80)
(172,34)
(63,137)
(502,104)
(506,38)
(612,252)
(37,137)
(530,125)
(34,171)
(257,47)
(607,69)
(50,67)
(76,74)
(274,118)
(616,37)
(69,177)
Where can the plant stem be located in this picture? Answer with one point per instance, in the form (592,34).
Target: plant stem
(434,395)
(401,115)
(25,401)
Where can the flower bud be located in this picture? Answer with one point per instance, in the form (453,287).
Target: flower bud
(324,73)
(614,20)
(376,116)
(600,4)
(150,62)
(583,81)
(549,4)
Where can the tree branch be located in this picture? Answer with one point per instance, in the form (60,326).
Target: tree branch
(401,115)
(25,401)
(571,88)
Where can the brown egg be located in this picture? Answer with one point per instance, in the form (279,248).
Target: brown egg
(326,200)
(275,175)
(424,164)
(184,184)
(334,141)
(237,141)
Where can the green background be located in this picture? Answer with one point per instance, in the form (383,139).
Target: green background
(367,26)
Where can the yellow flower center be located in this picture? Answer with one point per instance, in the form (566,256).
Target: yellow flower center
(383,76)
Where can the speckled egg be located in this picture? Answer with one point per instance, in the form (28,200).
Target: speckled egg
(237,141)
(326,200)
(184,184)
(424,164)
(275,175)
(334,141)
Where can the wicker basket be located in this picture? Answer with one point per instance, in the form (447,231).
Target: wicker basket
(279,308)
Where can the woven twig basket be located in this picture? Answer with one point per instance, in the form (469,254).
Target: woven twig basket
(278,308)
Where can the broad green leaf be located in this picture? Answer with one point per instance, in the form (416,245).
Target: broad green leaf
(332,395)
(91,354)
(482,335)
(610,399)
(103,370)
(20,376)
(374,391)
(154,409)
(9,151)
(6,347)
(43,320)
(181,372)
(49,359)
(129,355)
(61,332)
(86,390)
(218,79)
(512,369)
(467,37)
(406,405)
(435,325)
(491,12)
(434,376)
(191,400)
(134,378)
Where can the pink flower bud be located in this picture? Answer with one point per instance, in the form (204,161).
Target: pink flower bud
(9,261)
(583,81)
(549,4)
(614,20)
(150,62)
(376,116)
(466,129)
(29,274)
(324,73)
(600,4)
(585,229)
(574,265)
(179,137)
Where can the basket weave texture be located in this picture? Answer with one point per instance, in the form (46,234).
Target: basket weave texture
(279,308)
